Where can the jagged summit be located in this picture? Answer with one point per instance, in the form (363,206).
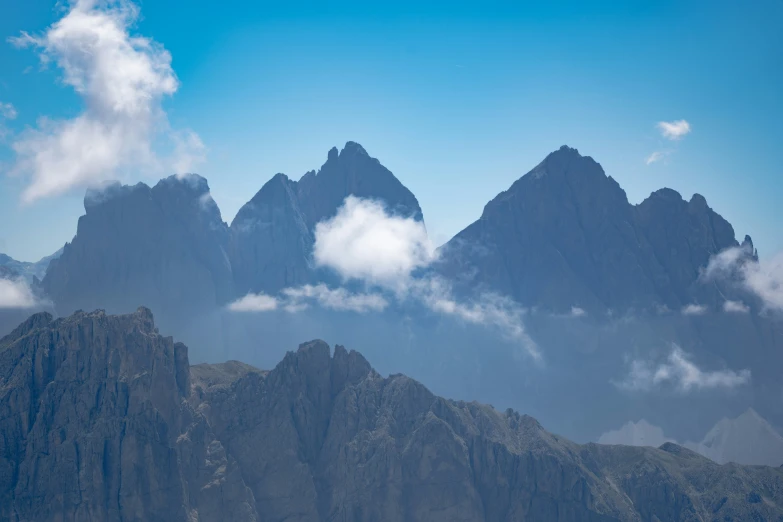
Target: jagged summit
(319,437)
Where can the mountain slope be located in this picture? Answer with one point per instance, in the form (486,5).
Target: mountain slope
(101,418)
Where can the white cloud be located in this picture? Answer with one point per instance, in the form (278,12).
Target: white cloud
(122,79)
(694,309)
(7,111)
(679,371)
(736,307)
(578,312)
(254,303)
(640,433)
(15,293)
(674,130)
(763,278)
(299,298)
(364,242)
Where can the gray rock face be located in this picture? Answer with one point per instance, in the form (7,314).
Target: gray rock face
(272,235)
(163,247)
(95,426)
(565,235)
(102,419)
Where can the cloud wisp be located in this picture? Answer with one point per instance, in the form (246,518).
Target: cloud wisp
(762,278)
(694,309)
(365,244)
(735,307)
(122,80)
(656,156)
(680,372)
(674,130)
(16,294)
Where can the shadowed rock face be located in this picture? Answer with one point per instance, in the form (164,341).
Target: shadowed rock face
(272,235)
(565,235)
(162,247)
(102,419)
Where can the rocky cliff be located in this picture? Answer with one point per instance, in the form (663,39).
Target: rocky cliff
(101,418)
(163,247)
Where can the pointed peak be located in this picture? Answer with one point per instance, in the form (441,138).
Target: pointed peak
(699,201)
(333,154)
(353,149)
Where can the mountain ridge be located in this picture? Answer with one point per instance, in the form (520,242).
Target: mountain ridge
(320,437)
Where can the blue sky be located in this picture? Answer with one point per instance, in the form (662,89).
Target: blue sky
(458,99)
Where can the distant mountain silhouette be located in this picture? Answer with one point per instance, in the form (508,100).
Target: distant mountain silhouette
(564,235)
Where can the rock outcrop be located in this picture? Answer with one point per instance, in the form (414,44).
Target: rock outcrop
(102,419)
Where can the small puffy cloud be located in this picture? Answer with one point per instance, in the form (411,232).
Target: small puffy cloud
(694,309)
(735,307)
(15,293)
(578,312)
(674,130)
(640,433)
(122,79)
(7,111)
(254,303)
(364,242)
(681,373)
(763,278)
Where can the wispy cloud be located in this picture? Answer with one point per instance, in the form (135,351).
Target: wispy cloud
(735,307)
(15,293)
(122,79)
(578,312)
(7,111)
(762,278)
(680,372)
(674,130)
(694,309)
(656,157)
(297,299)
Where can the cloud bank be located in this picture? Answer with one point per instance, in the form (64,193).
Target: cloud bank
(640,433)
(122,80)
(365,244)
(681,373)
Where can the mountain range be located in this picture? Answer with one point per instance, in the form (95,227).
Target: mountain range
(103,418)
(603,287)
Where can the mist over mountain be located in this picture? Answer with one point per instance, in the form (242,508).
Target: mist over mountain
(614,297)
(104,418)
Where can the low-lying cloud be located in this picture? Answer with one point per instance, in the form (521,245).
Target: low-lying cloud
(297,299)
(16,294)
(681,373)
(762,278)
(122,79)
(365,243)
